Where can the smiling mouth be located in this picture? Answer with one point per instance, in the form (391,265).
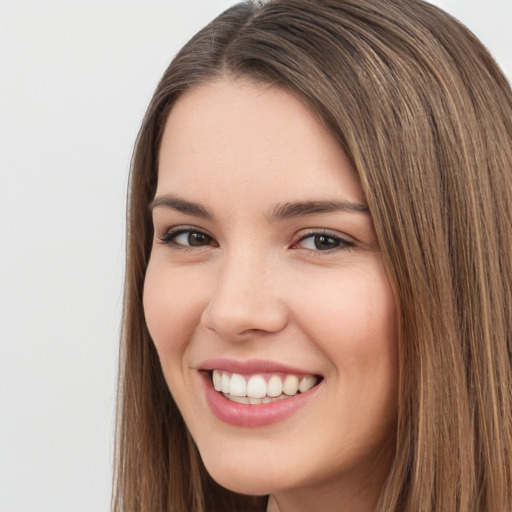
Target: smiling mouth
(261,388)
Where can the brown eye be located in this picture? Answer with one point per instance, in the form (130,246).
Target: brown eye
(323,242)
(187,238)
(197,239)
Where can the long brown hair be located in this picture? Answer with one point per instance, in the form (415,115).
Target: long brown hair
(425,116)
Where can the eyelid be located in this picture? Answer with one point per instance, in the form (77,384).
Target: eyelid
(347,242)
(171,233)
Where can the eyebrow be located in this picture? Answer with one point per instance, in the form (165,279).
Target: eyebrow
(303,208)
(181,205)
(279,212)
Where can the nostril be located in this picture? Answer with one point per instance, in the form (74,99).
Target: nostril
(238,315)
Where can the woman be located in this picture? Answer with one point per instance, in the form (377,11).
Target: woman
(318,302)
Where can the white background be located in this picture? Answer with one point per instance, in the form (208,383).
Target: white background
(75,79)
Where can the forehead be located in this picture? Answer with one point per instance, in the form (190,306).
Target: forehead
(255,138)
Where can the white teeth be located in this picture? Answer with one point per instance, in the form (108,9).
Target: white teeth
(217,380)
(225,383)
(239,399)
(290,385)
(238,387)
(258,388)
(274,386)
(306,383)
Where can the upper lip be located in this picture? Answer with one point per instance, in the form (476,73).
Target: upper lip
(251,366)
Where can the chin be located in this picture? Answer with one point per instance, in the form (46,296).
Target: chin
(250,480)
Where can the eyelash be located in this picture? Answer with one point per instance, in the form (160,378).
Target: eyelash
(169,238)
(341,243)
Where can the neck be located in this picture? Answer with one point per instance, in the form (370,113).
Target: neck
(359,493)
(283,503)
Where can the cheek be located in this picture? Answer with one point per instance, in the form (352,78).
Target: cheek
(173,305)
(353,321)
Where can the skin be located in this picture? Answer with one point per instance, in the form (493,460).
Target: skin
(260,287)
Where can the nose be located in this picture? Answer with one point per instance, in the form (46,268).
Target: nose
(246,299)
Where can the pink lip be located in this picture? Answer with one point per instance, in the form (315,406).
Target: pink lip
(251,366)
(245,415)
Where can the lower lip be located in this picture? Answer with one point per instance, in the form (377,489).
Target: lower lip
(258,415)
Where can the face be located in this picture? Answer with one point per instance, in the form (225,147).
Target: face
(266,295)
